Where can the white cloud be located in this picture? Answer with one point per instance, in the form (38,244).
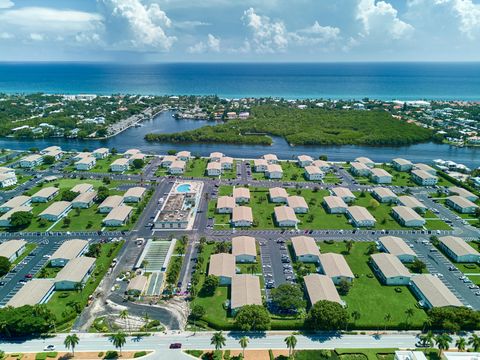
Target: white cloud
(132,25)
(267,36)
(190,24)
(37,37)
(211,45)
(5,4)
(316,34)
(6,35)
(468,15)
(380,19)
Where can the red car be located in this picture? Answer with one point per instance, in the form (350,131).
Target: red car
(28,276)
(175,346)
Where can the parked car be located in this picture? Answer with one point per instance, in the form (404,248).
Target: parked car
(175,346)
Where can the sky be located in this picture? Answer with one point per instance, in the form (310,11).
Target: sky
(239,30)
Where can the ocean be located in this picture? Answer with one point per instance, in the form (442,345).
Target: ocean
(385,81)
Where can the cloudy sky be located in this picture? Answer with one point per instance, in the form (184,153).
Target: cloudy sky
(239,30)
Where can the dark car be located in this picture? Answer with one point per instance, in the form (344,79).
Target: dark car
(175,346)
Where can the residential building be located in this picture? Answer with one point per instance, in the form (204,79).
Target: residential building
(409,355)
(335,205)
(81,188)
(260,165)
(223,266)
(7,180)
(400,164)
(461,204)
(313,173)
(75,273)
(380,176)
(335,267)
(215,156)
(118,216)
(426,168)
(84,200)
(184,155)
(304,160)
(50,149)
(407,217)
(168,160)
(244,249)
(366,161)
(241,195)
(285,216)
(31,161)
(134,194)
(17,201)
(101,153)
(432,292)
(225,204)
(412,203)
(321,287)
(245,291)
(44,195)
(177,167)
(270,158)
(56,210)
(384,195)
(226,163)
(81,155)
(322,165)
(214,168)
(56,154)
(306,249)
(138,156)
(398,247)
(85,164)
(344,193)
(242,216)
(5,218)
(455,190)
(359,169)
(110,203)
(12,249)
(423,178)
(130,152)
(390,269)
(69,250)
(278,195)
(298,204)
(458,249)
(119,165)
(274,171)
(360,216)
(35,291)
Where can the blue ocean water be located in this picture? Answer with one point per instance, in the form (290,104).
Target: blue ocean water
(387,81)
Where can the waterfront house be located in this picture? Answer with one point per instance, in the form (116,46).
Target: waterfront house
(214,168)
(458,250)
(223,266)
(384,195)
(260,165)
(321,288)
(335,267)
(432,292)
(75,273)
(245,291)
(274,171)
(134,194)
(298,204)
(110,203)
(119,165)
(313,173)
(56,210)
(389,269)
(360,216)
(335,205)
(168,160)
(423,178)
(184,155)
(322,165)
(45,195)
(241,195)
(56,154)
(366,161)
(118,216)
(130,152)
(380,176)
(226,163)
(84,200)
(69,250)
(270,158)
(304,160)
(398,247)
(138,156)
(101,153)
(85,164)
(426,168)
(285,216)
(242,216)
(225,204)
(177,167)
(278,195)
(215,156)
(407,217)
(50,149)
(244,249)
(359,169)
(30,161)
(344,193)
(461,204)
(305,249)
(400,164)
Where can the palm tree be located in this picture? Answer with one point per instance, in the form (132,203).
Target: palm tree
(443,342)
(218,340)
(427,339)
(291,342)
(118,340)
(461,344)
(124,316)
(387,318)
(243,343)
(474,342)
(71,341)
(427,323)
(409,313)
(146,320)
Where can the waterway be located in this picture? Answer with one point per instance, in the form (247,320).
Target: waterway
(165,123)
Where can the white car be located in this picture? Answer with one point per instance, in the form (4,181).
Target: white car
(49,348)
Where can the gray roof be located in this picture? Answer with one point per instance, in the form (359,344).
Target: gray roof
(245,291)
(80,188)
(390,265)
(458,246)
(76,269)
(46,192)
(435,291)
(335,202)
(120,213)
(244,245)
(462,202)
(411,202)
(16,201)
(10,247)
(56,208)
(396,246)
(70,249)
(321,287)
(384,192)
(222,265)
(86,197)
(31,293)
(406,213)
(335,265)
(305,245)
(359,213)
(112,201)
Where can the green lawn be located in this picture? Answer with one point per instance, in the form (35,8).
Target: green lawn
(48,272)
(29,247)
(196,168)
(370,298)
(63,303)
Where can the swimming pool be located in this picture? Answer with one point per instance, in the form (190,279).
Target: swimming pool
(184,188)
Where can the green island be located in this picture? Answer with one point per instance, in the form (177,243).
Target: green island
(306,127)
